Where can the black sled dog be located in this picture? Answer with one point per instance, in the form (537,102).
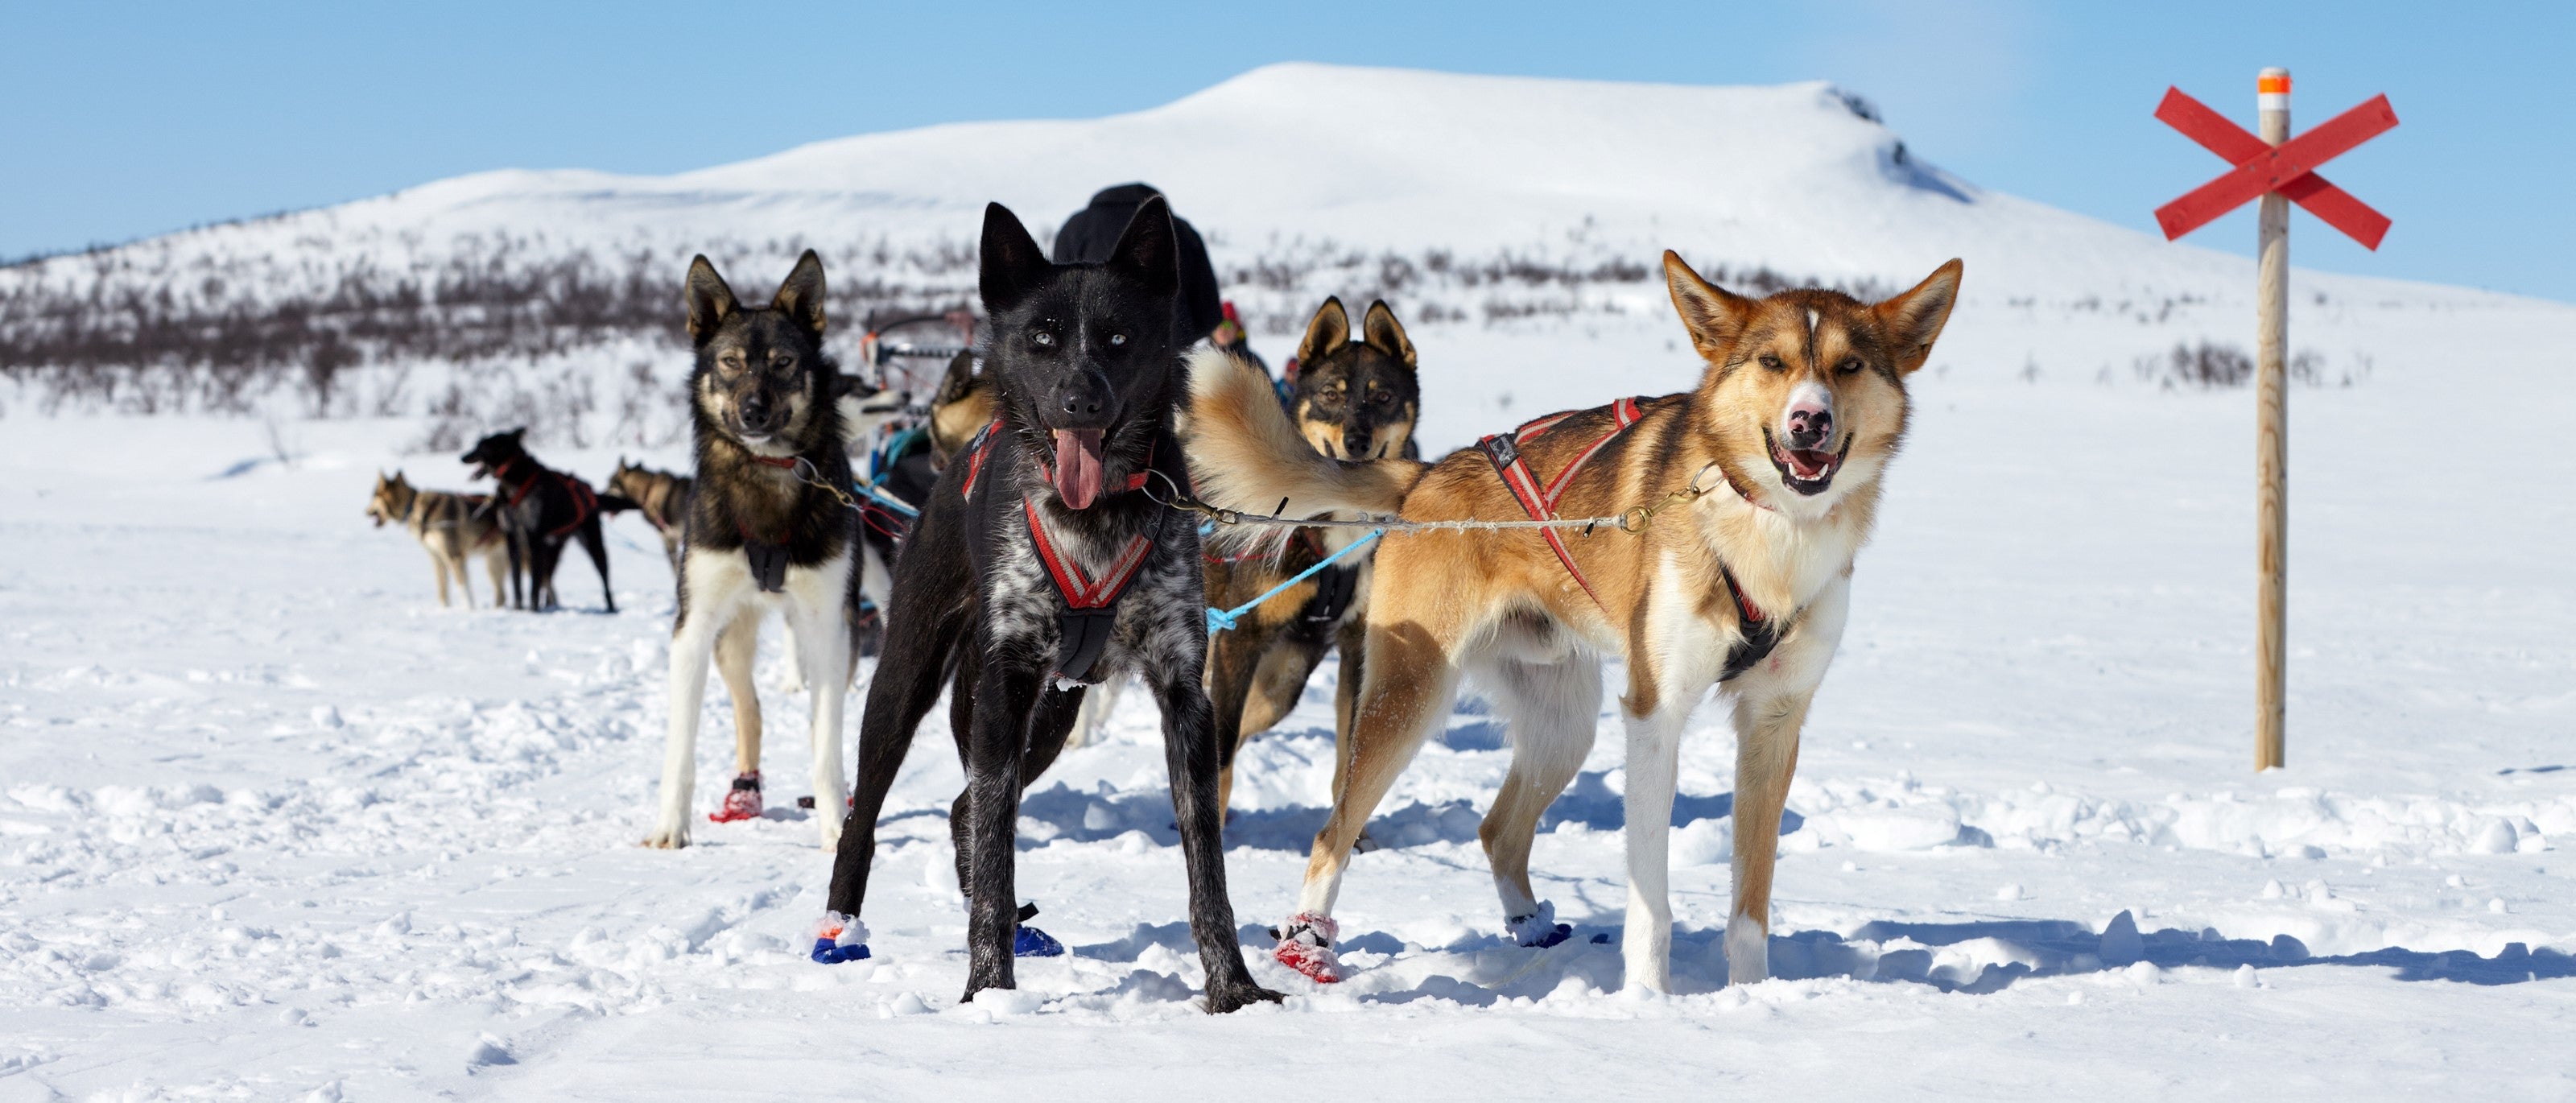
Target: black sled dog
(1040,566)
(761,534)
(540,509)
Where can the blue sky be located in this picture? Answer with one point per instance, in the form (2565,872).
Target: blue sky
(129,120)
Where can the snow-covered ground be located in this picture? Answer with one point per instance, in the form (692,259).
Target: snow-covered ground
(275,824)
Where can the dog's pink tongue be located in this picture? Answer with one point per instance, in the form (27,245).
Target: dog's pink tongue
(1077,466)
(1809,463)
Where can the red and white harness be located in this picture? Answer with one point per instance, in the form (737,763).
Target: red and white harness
(1539,501)
(585,501)
(1088,601)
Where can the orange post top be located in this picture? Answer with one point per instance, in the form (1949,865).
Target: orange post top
(2275,84)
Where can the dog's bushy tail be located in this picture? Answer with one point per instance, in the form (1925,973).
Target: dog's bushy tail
(1245,454)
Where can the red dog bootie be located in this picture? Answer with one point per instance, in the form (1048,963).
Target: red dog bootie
(742,802)
(1306,945)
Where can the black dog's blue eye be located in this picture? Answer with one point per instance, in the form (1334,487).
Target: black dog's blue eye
(1117,339)
(1043,337)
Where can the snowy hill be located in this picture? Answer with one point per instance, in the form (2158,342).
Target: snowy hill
(1466,201)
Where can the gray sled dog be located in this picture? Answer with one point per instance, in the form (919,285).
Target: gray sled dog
(1763,481)
(761,536)
(451,527)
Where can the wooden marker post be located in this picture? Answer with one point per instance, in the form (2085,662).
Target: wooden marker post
(2271,439)
(2278,170)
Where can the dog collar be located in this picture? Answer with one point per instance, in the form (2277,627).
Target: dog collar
(788,464)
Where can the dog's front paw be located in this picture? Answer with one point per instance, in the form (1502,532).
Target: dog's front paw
(742,802)
(669,837)
(1028,941)
(1236,993)
(1306,945)
(840,938)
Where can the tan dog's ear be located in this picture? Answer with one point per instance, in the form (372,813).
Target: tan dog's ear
(1331,329)
(1714,316)
(1914,319)
(1385,334)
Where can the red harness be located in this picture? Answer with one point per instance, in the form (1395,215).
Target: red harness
(1540,501)
(1080,590)
(1088,618)
(585,501)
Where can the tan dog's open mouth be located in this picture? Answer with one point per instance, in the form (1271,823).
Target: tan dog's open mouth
(1806,470)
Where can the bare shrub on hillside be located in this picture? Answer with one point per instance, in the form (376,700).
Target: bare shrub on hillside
(336,327)
(2212,366)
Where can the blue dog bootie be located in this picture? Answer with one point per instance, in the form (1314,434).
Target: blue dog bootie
(1028,941)
(839,938)
(1539,929)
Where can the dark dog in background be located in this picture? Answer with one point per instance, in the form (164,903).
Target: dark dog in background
(1040,565)
(1353,400)
(539,509)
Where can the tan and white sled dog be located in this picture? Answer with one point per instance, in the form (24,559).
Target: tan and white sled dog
(453,527)
(1768,478)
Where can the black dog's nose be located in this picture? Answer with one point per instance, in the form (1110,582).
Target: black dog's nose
(1080,405)
(1809,428)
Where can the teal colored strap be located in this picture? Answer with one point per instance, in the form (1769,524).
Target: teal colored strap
(1221,619)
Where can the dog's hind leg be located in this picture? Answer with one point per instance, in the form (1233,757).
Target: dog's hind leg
(1552,709)
(495,566)
(1233,659)
(1190,754)
(1409,685)
(596,544)
(736,645)
(1410,682)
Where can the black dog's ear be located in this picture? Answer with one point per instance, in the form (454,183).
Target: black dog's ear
(1013,263)
(1331,329)
(1386,334)
(710,301)
(1148,251)
(801,296)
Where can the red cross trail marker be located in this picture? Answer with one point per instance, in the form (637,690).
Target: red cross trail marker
(2259,166)
(2279,170)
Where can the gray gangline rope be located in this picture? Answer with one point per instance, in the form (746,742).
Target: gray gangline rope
(1633,521)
